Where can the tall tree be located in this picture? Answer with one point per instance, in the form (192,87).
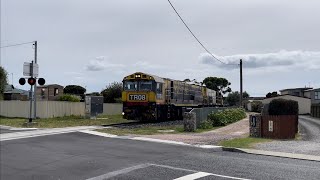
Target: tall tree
(112,93)
(74,89)
(3,80)
(233,98)
(221,85)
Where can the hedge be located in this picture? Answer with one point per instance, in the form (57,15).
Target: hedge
(227,116)
(69,97)
(283,107)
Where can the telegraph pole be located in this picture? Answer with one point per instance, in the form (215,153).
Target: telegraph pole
(35,85)
(241,94)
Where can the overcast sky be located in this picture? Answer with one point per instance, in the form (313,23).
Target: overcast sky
(95,42)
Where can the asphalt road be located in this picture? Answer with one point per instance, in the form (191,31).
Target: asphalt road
(83,156)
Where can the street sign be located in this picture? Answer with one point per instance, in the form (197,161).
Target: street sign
(30,69)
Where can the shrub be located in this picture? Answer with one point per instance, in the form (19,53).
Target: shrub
(283,107)
(256,106)
(205,125)
(69,97)
(227,116)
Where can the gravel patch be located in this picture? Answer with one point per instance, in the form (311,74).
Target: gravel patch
(309,142)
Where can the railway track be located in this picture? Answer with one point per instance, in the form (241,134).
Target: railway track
(139,124)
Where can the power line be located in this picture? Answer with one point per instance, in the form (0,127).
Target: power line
(196,36)
(11,45)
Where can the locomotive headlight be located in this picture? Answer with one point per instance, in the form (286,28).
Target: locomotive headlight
(122,113)
(138,75)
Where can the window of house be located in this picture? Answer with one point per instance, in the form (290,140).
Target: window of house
(56,91)
(317,95)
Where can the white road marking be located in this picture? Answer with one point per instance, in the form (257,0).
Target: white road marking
(148,139)
(119,172)
(193,176)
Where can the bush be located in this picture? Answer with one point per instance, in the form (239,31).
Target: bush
(256,106)
(283,107)
(69,97)
(227,116)
(205,125)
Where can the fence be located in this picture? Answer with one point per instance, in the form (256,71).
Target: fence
(315,110)
(279,127)
(202,113)
(49,109)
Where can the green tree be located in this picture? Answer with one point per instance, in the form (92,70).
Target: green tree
(233,98)
(220,85)
(74,89)
(3,80)
(273,94)
(112,93)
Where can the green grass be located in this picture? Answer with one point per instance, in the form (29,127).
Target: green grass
(247,142)
(150,130)
(64,121)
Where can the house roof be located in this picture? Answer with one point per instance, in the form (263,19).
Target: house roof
(49,85)
(288,95)
(316,89)
(9,89)
(305,88)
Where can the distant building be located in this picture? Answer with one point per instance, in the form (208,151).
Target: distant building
(314,95)
(12,93)
(303,102)
(294,91)
(50,92)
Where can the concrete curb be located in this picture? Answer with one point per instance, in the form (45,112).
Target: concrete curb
(274,154)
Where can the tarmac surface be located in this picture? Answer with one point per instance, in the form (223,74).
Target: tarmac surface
(79,155)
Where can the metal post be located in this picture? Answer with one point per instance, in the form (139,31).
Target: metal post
(30,94)
(35,85)
(30,97)
(241,94)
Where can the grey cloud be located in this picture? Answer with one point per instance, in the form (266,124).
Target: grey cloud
(100,64)
(302,59)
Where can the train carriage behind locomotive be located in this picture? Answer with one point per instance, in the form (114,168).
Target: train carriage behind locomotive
(149,97)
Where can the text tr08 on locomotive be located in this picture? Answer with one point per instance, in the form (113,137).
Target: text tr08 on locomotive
(149,97)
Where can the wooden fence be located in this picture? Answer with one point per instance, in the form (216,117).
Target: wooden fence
(315,110)
(49,109)
(279,127)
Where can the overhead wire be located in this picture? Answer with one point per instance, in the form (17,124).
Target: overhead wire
(185,24)
(11,45)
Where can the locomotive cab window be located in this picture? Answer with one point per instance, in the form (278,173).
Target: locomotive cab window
(145,86)
(130,86)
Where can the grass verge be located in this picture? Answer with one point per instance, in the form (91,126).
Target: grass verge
(247,142)
(150,130)
(64,121)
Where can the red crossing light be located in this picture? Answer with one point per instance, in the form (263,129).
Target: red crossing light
(31,81)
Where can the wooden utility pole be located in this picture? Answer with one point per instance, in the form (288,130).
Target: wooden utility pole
(241,94)
(35,85)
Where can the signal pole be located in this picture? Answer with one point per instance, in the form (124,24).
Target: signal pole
(35,85)
(241,94)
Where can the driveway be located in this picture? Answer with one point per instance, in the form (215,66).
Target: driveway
(309,142)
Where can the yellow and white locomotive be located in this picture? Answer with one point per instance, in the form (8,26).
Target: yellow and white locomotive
(149,97)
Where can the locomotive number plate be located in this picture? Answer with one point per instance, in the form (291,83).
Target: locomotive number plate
(137,97)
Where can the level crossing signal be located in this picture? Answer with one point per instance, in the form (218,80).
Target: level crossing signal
(32,81)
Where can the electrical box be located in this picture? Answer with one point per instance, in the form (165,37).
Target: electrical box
(93,106)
